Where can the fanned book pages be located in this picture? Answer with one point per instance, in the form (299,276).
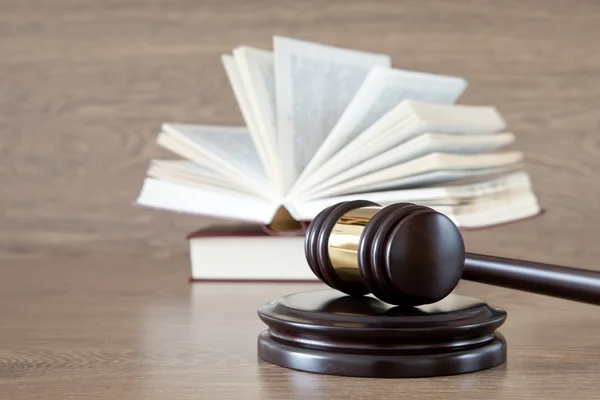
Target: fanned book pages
(323,124)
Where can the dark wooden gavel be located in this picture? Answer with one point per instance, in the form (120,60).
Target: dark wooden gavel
(407,254)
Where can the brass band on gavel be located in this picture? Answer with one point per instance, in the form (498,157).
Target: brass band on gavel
(344,240)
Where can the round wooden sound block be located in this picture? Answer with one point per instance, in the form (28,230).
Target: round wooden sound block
(327,332)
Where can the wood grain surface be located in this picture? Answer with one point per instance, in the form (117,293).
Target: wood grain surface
(94,292)
(110,328)
(86,84)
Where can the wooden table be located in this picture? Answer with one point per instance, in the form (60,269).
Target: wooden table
(106,328)
(95,302)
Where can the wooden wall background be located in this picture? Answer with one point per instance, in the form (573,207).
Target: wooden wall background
(85,84)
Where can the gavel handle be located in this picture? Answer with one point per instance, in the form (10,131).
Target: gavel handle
(546,279)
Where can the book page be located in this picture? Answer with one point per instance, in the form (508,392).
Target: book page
(314,85)
(192,174)
(412,118)
(231,150)
(382,90)
(182,147)
(418,147)
(212,203)
(201,171)
(511,206)
(257,70)
(448,166)
(244,104)
(436,178)
(398,119)
(433,195)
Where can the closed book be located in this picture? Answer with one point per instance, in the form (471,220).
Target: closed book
(250,252)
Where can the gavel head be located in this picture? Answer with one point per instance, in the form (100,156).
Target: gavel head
(404,254)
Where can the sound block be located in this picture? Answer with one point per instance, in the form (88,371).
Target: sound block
(327,332)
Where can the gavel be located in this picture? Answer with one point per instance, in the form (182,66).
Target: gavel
(410,255)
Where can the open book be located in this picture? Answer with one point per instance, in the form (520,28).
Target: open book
(325,124)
